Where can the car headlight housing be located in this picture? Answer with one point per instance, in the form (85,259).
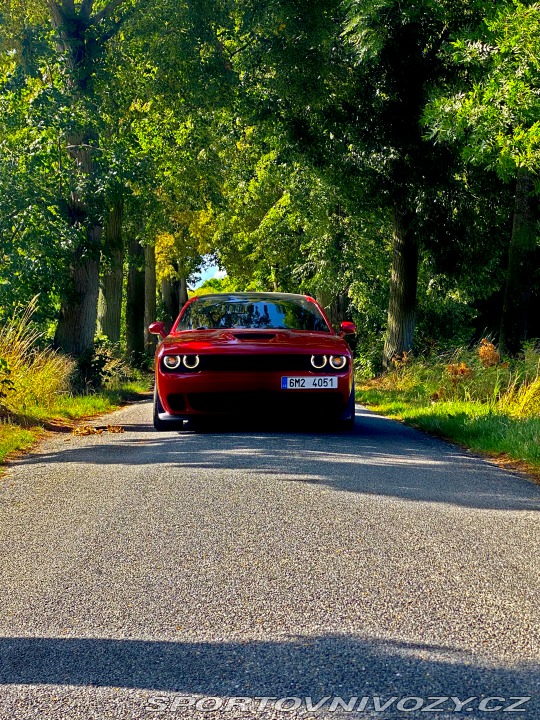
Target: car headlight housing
(319,361)
(338,362)
(172,362)
(191,361)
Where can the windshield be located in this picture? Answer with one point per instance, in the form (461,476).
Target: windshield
(256,313)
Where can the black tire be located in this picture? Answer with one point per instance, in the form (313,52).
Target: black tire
(346,423)
(164,425)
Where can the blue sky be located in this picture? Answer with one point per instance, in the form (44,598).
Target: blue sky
(207,273)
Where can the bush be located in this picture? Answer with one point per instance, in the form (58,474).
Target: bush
(368,361)
(29,374)
(101,366)
(471,375)
(6,383)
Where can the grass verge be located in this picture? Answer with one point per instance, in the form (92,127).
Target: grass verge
(41,389)
(14,438)
(490,409)
(20,430)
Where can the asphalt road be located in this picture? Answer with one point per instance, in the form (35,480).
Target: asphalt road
(142,573)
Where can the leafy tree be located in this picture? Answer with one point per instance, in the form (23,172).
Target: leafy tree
(181,84)
(352,105)
(286,137)
(494,117)
(55,83)
(31,171)
(100,74)
(82,34)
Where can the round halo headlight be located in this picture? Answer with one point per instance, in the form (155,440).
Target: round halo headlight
(191,361)
(338,362)
(319,361)
(172,362)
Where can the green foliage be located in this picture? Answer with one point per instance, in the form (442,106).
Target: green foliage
(337,145)
(90,111)
(13,438)
(471,375)
(496,117)
(468,396)
(102,366)
(277,135)
(473,425)
(31,372)
(446,314)
(216,285)
(34,230)
(6,383)
(36,388)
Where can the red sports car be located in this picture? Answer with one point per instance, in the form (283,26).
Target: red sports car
(253,354)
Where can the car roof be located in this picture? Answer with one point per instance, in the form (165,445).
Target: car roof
(252,295)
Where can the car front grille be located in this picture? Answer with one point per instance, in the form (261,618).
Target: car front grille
(176,402)
(257,363)
(259,403)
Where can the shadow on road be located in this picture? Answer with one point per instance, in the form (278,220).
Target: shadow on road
(379,457)
(314,667)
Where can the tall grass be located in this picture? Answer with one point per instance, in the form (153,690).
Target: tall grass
(37,388)
(469,396)
(470,376)
(36,375)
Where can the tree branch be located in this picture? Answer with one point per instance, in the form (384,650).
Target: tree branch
(122,20)
(56,13)
(16,231)
(107,11)
(68,8)
(86,7)
(243,47)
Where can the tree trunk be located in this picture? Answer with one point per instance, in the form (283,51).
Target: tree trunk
(80,47)
(521,267)
(149,297)
(335,306)
(403,284)
(182,293)
(78,313)
(135,301)
(170,294)
(110,289)
(78,309)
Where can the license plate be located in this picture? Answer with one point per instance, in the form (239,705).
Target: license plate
(309,383)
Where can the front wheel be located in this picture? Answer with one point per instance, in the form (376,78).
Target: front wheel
(346,422)
(164,425)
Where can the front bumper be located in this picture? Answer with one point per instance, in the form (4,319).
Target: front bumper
(254,393)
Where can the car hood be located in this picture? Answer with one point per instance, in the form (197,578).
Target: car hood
(255,341)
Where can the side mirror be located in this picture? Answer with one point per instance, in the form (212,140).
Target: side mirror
(158,328)
(347,328)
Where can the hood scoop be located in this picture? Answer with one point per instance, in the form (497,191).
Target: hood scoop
(254,335)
